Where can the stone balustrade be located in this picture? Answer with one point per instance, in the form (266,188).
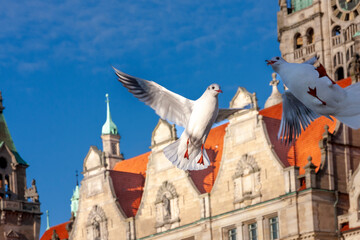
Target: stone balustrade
(19,206)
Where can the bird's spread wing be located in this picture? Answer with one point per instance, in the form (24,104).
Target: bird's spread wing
(168,105)
(295,117)
(312,60)
(224,113)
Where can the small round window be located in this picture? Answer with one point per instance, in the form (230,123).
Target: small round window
(3,162)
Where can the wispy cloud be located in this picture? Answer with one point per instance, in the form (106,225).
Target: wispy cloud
(78,31)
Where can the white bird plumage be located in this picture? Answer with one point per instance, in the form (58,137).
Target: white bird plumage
(311,93)
(197,117)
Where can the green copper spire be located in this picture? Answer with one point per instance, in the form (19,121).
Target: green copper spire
(5,136)
(75,197)
(47,220)
(109,126)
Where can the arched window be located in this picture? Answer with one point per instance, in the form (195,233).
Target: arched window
(335,61)
(339,74)
(7,183)
(7,187)
(347,55)
(310,36)
(298,41)
(336,31)
(3,163)
(338,58)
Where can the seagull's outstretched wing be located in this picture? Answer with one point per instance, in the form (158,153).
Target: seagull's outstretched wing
(295,117)
(224,113)
(168,105)
(312,60)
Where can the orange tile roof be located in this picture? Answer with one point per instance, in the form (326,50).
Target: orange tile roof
(128,178)
(129,188)
(136,164)
(204,179)
(272,112)
(308,144)
(272,126)
(60,230)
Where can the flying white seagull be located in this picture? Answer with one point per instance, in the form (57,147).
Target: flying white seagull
(197,117)
(311,93)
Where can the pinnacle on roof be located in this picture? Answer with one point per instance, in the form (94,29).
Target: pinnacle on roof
(75,200)
(275,96)
(109,127)
(47,220)
(75,197)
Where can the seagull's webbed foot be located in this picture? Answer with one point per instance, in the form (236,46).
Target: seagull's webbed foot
(186,155)
(201,160)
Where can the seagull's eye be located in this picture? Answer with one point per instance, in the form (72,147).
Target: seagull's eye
(277,58)
(213,87)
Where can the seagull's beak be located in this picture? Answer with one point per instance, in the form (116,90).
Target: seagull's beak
(269,62)
(219,91)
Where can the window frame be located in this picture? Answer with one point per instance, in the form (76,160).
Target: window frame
(227,229)
(271,229)
(251,237)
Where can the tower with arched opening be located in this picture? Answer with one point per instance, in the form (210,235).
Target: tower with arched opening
(320,27)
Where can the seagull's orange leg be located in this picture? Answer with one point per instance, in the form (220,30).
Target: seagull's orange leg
(201,160)
(186,155)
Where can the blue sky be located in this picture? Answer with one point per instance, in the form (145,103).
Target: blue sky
(55,68)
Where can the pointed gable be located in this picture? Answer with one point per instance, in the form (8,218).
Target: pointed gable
(128,179)
(92,159)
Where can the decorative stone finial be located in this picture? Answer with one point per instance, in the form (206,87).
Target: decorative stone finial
(55,236)
(1,105)
(310,164)
(275,97)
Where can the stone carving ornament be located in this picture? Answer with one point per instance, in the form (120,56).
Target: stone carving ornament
(97,224)
(167,210)
(247,181)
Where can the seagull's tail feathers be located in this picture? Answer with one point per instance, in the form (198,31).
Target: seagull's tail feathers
(175,153)
(350,115)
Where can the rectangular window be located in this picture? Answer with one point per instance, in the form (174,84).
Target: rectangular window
(232,234)
(274,228)
(253,231)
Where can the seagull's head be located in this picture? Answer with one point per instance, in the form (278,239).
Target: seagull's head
(275,62)
(214,89)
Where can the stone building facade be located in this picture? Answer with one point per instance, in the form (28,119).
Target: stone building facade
(19,205)
(326,28)
(256,188)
